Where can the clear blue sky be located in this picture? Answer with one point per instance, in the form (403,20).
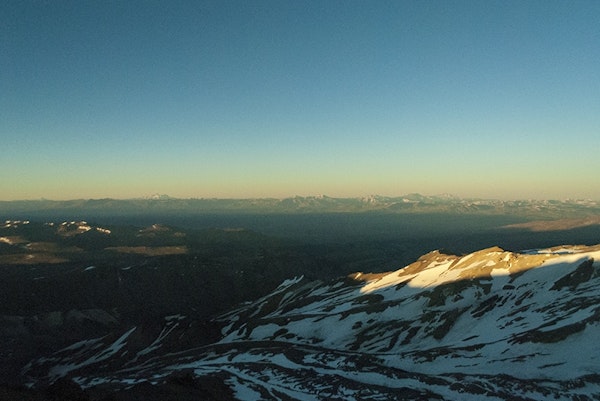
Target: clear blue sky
(281,98)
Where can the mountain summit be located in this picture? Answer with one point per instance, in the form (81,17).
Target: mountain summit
(492,324)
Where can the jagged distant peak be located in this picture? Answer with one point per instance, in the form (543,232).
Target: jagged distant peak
(158,196)
(374,199)
(446,195)
(416,196)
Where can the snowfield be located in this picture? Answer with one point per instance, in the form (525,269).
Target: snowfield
(492,325)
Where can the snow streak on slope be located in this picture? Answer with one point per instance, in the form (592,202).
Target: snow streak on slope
(488,325)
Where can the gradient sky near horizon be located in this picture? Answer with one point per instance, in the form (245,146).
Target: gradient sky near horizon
(121,99)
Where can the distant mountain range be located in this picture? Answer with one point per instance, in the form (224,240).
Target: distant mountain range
(492,324)
(412,203)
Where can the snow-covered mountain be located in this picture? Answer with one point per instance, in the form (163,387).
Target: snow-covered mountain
(493,324)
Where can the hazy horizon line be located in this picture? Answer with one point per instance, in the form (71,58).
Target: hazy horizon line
(317,196)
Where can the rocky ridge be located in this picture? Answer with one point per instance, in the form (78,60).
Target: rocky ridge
(492,324)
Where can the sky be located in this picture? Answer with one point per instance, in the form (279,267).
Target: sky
(246,99)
